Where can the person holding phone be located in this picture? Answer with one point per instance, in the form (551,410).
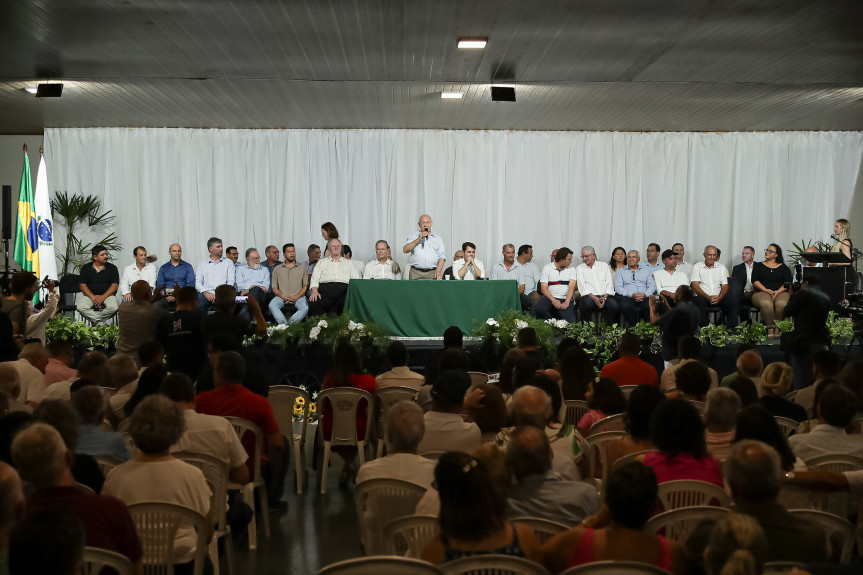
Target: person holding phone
(427,252)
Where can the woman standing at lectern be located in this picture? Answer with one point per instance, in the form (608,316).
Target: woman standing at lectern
(842,231)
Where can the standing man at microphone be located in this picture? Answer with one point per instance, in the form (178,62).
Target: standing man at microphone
(427,252)
(468,267)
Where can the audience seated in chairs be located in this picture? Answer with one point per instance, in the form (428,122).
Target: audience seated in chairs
(30,366)
(720,420)
(745,390)
(30,552)
(123,374)
(473,515)
(10,386)
(44,460)
(630,499)
(576,372)
(629,369)
(688,351)
(693,381)
(399,374)
(92,367)
(225,320)
(445,428)
(737,546)
(490,412)
(755,422)
(57,368)
(155,476)
(775,383)
(89,402)
(506,377)
(11,506)
(139,320)
(825,365)
(753,471)
(640,406)
(749,364)
(836,408)
(61,416)
(539,491)
(604,399)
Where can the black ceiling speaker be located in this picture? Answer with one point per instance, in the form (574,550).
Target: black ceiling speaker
(49,90)
(502,94)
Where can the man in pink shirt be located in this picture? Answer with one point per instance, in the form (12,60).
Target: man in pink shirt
(58,364)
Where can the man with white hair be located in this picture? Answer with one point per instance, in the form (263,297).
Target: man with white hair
(253,279)
(720,419)
(531,406)
(427,251)
(124,378)
(633,286)
(30,365)
(10,386)
(596,287)
(42,458)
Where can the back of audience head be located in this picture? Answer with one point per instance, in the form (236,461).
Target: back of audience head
(157,424)
(450,359)
(693,380)
(93,366)
(756,423)
(776,379)
(179,388)
(40,455)
(606,396)
(631,494)
(749,364)
(491,414)
(642,402)
(745,389)
(122,370)
(230,369)
(753,471)
(527,338)
(187,298)
(737,546)
(225,298)
(852,377)
(494,459)
(448,390)
(48,542)
(826,364)
(576,372)
(89,404)
(676,428)
(629,346)
(720,414)
(528,452)
(397,354)
(453,337)
(148,384)
(836,405)
(473,506)
(10,381)
(11,498)
(405,427)
(531,406)
(37,354)
(689,347)
(525,369)
(21,282)
(222,342)
(565,344)
(140,290)
(151,353)
(552,390)
(61,349)
(507,369)
(60,415)
(683,294)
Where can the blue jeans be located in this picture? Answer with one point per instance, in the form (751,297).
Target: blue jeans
(301,306)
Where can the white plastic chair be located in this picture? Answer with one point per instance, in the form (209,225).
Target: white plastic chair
(282,398)
(241,427)
(345,402)
(832,525)
(96,559)
(477,377)
(631,457)
(690,493)
(679,523)
(544,529)
(106,463)
(617,568)
(835,503)
(381,566)
(216,473)
(627,390)
(792,395)
(492,564)
(157,524)
(384,399)
(610,423)
(408,535)
(380,501)
(788,426)
(598,445)
(575,410)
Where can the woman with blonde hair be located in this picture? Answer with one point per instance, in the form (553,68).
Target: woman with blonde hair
(775,381)
(842,231)
(737,547)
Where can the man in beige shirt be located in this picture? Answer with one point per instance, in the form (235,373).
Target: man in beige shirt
(329,284)
(289,285)
(688,350)
(400,374)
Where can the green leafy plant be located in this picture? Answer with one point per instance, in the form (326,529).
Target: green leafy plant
(327,331)
(841,328)
(717,335)
(785,325)
(648,332)
(749,333)
(797,257)
(76,211)
(80,334)
(502,332)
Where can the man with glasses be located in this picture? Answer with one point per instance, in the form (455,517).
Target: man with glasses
(253,279)
(633,285)
(653,262)
(710,284)
(596,287)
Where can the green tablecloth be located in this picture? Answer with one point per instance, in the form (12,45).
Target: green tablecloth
(426,308)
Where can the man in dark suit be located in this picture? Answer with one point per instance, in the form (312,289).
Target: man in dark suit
(742,275)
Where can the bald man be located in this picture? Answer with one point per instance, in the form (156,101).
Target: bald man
(175,273)
(749,365)
(139,319)
(427,252)
(803,264)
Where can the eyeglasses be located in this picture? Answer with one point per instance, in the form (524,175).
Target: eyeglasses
(769,251)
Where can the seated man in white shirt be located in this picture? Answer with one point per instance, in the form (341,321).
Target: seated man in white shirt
(400,374)
(382,268)
(446,430)
(329,284)
(557,286)
(596,287)
(710,283)
(142,269)
(835,410)
(124,378)
(679,252)
(669,278)
(468,267)
(405,429)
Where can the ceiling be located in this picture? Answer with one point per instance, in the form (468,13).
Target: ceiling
(661,65)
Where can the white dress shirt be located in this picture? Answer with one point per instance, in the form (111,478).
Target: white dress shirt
(132,274)
(376,270)
(669,282)
(594,280)
(710,280)
(686,268)
(328,271)
(470,274)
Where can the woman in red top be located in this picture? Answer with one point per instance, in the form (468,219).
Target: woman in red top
(346,372)
(630,499)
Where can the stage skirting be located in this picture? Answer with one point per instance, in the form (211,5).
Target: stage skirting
(425,308)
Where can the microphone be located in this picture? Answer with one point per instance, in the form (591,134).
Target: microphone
(834,237)
(423,240)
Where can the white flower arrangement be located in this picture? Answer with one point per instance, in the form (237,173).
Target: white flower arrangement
(491,321)
(354,326)
(521,324)
(315,332)
(322,324)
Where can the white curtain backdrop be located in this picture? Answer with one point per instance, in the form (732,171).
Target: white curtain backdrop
(548,189)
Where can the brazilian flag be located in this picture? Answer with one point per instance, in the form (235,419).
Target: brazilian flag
(26,231)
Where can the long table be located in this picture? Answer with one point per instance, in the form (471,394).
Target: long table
(425,308)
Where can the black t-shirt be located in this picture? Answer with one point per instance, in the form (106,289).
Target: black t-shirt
(99,282)
(809,308)
(182,337)
(771,278)
(676,323)
(235,325)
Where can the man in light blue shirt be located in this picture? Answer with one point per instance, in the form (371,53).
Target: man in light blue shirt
(510,269)
(427,252)
(253,279)
(213,272)
(633,286)
(653,262)
(530,273)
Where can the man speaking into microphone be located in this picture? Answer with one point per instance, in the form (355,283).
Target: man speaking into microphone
(427,252)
